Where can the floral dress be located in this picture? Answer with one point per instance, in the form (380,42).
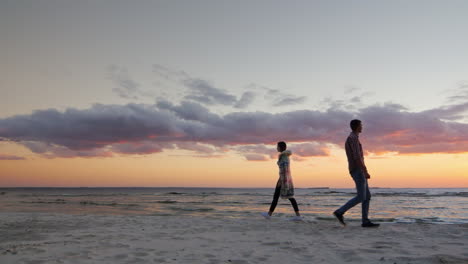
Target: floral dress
(285,179)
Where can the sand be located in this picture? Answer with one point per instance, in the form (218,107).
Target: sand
(62,238)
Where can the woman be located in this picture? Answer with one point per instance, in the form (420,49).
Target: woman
(284,187)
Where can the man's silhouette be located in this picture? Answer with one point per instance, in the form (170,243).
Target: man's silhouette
(358,171)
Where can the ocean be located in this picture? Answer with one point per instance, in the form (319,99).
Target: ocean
(391,205)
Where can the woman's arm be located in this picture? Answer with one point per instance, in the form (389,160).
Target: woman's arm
(282,171)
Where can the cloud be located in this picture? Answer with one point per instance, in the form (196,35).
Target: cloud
(140,147)
(290,100)
(351,99)
(105,130)
(10,157)
(51,150)
(391,129)
(204,92)
(449,112)
(256,157)
(96,127)
(196,147)
(256,150)
(279,98)
(351,89)
(190,111)
(169,74)
(246,99)
(460,94)
(126,87)
(310,149)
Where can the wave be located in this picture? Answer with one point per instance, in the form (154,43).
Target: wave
(62,201)
(210,193)
(252,194)
(328,193)
(178,202)
(183,209)
(389,194)
(106,204)
(57,201)
(400,220)
(175,193)
(74,195)
(462,194)
(167,202)
(421,194)
(193,194)
(422,208)
(227,202)
(424,220)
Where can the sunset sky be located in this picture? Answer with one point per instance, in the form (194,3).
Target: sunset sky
(197,93)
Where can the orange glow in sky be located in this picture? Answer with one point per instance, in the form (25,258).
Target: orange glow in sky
(179,169)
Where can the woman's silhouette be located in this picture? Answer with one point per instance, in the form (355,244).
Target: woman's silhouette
(284,186)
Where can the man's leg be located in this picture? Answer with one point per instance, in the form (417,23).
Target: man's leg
(365,210)
(365,204)
(360,182)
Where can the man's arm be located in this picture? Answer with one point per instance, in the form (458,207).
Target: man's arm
(361,160)
(356,153)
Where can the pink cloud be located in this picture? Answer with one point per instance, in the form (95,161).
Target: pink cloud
(10,157)
(256,157)
(142,129)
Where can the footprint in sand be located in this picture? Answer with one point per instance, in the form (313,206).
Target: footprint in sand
(121,256)
(37,261)
(137,260)
(71,254)
(120,245)
(350,255)
(454,243)
(369,250)
(247,254)
(237,261)
(35,250)
(140,254)
(271,243)
(385,244)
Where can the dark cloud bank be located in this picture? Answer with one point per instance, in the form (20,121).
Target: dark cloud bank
(106,130)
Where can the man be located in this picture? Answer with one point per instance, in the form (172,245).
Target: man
(358,171)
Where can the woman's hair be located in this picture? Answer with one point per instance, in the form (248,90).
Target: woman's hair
(354,124)
(282,145)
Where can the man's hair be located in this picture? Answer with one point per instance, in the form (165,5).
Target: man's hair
(354,124)
(282,145)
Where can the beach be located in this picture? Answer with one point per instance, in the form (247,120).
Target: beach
(36,237)
(224,225)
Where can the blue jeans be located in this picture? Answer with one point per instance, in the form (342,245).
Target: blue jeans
(363,195)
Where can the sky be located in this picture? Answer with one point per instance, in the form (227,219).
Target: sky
(197,93)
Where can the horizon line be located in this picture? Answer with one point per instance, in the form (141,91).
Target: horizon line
(201,187)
